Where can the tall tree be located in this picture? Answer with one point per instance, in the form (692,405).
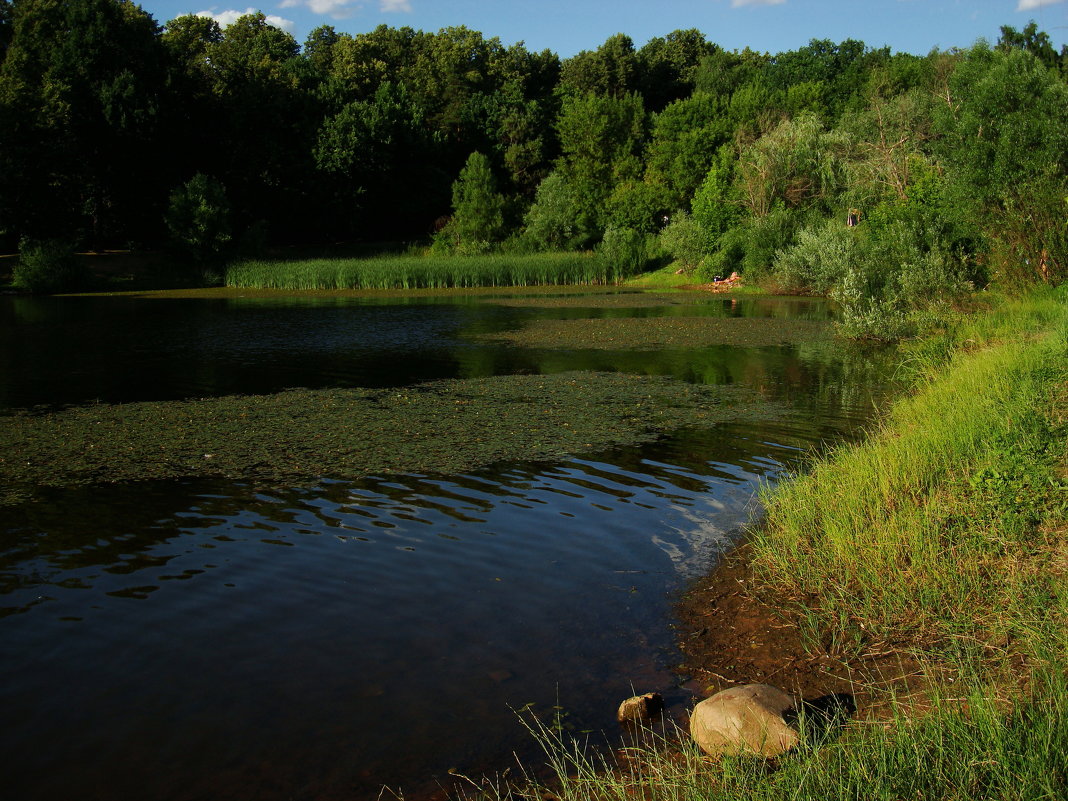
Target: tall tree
(667,66)
(1004,136)
(601,139)
(477,208)
(80,97)
(611,70)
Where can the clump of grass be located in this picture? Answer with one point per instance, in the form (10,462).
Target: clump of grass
(425,272)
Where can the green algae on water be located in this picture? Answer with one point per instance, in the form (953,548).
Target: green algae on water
(300,435)
(652,333)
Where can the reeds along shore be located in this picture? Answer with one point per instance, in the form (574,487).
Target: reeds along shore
(425,272)
(943,535)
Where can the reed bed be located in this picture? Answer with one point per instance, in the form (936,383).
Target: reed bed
(426,272)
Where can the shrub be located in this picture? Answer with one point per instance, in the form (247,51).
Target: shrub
(636,205)
(685,240)
(48,266)
(556,221)
(623,252)
(478,210)
(818,260)
(198,218)
(893,283)
(716,207)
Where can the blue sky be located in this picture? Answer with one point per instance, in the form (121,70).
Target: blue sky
(568,26)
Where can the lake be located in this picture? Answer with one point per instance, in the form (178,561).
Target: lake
(194,639)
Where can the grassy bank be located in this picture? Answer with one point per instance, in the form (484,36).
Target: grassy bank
(424,272)
(943,536)
(942,530)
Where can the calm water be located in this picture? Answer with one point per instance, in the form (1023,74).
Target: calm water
(186,640)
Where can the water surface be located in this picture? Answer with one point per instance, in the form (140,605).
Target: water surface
(184,640)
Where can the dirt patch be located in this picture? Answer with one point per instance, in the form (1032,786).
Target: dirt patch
(654,333)
(732,631)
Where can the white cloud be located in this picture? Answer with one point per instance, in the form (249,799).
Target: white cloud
(1028,5)
(338,9)
(229,16)
(388,6)
(740,3)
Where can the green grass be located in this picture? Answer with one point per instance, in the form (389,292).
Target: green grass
(424,272)
(973,748)
(936,530)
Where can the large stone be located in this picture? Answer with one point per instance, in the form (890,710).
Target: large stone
(744,720)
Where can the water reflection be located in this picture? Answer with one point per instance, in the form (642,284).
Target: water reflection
(115,349)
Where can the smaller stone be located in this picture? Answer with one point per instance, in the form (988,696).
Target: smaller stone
(745,720)
(640,708)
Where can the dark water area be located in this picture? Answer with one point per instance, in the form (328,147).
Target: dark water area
(72,350)
(195,640)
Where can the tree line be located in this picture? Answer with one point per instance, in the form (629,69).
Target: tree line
(118,132)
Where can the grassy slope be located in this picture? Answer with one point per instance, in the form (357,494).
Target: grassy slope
(943,532)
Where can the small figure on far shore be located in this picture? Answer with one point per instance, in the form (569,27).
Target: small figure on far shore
(852,218)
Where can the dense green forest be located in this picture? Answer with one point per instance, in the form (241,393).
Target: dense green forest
(116,132)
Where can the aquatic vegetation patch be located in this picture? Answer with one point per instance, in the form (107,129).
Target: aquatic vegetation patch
(626,299)
(651,333)
(298,435)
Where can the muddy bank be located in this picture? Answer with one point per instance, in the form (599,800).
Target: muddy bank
(444,426)
(654,333)
(732,631)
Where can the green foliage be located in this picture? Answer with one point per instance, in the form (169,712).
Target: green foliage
(1006,142)
(637,205)
(559,219)
(477,209)
(716,206)
(819,260)
(48,266)
(81,87)
(1035,42)
(686,136)
(623,252)
(601,139)
(751,247)
(668,66)
(611,70)
(799,163)
(894,285)
(198,218)
(685,240)
(968,148)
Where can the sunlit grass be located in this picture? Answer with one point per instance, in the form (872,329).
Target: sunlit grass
(969,747)
(934,530)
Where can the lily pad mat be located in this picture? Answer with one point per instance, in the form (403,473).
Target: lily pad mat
(652,333)
(443,426)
